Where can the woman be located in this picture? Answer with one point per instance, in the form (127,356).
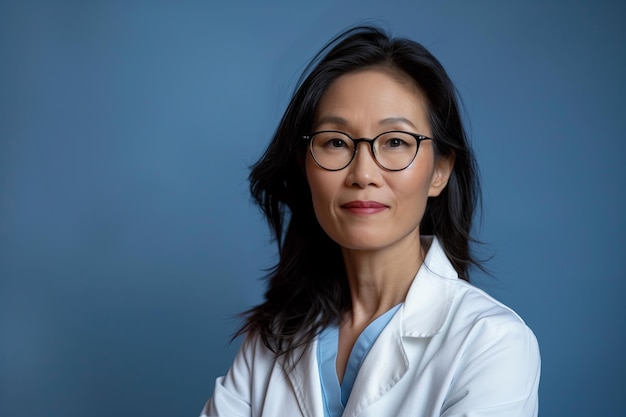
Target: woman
(369,186)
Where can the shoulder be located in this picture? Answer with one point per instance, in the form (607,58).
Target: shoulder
(253,351)
(484,324)
(258,358)
(473,306)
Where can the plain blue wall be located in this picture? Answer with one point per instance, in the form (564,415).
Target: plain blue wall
(127,237)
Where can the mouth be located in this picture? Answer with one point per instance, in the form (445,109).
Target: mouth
(364,207)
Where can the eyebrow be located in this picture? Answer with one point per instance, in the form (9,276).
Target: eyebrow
(338,120)
(395,120)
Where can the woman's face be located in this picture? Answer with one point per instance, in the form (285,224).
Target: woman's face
(363,206)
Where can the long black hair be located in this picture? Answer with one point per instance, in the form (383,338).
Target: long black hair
(307,288)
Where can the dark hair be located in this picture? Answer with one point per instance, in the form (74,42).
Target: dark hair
(308,287)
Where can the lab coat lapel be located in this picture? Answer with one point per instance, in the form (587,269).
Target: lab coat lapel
(305,381)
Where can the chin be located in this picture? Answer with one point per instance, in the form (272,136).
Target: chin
(363,243)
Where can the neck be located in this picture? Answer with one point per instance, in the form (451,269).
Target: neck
(380,279)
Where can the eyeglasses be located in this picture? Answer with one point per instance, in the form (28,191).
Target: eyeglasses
(394,151)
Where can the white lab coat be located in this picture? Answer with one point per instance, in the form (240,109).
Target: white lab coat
(450,350)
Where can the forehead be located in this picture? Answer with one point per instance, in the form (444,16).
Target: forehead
(371,96)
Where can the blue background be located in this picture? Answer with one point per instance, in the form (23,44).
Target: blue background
(127,238)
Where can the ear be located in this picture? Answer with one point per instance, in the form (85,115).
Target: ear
(441,174)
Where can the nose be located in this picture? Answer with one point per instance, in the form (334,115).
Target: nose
(364,170)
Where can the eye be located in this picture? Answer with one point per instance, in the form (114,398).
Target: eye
(336,143)
(395,142)
(330,141)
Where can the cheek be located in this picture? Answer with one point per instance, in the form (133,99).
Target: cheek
(412,192)
(320,186)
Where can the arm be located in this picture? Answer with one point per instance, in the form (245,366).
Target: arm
(233,392)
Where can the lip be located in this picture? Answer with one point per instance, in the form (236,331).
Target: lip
(364,207)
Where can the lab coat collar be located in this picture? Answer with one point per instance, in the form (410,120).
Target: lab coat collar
(430,296)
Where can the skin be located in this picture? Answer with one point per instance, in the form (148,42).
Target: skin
(381,247)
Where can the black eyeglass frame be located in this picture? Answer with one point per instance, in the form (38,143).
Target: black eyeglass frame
(356,142)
